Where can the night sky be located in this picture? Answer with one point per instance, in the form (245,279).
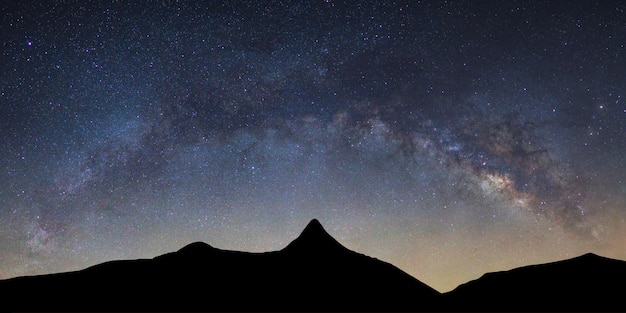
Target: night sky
(448,138)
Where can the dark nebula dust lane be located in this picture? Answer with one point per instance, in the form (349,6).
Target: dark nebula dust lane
(447,138)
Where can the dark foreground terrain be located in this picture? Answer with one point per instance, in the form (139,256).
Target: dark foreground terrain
(587,283)
(313,273)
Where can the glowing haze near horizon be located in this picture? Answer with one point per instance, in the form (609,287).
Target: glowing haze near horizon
(447,138)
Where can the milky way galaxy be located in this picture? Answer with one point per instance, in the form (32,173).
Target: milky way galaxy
(447,138)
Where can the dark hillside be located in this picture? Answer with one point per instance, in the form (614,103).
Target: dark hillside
(589,283)
(314,272)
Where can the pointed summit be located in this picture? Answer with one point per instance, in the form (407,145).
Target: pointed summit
(314,238)
(314,226)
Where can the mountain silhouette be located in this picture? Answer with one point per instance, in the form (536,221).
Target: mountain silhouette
(588,283)
(312,273)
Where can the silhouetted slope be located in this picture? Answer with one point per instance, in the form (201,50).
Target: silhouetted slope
(314,272)
(588,283)
(340,275)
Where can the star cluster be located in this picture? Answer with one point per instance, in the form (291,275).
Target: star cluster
(447,138)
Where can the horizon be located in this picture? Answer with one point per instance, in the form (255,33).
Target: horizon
(304,228)
(449,139)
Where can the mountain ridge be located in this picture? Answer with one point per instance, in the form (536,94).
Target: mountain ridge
(584,283)
(314,272)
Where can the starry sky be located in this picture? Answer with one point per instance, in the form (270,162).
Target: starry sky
(449,138)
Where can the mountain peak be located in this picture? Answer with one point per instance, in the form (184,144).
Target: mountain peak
(197,245)
(314,226)
(590,255)
(197,249)
(314,238)
(591,258)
